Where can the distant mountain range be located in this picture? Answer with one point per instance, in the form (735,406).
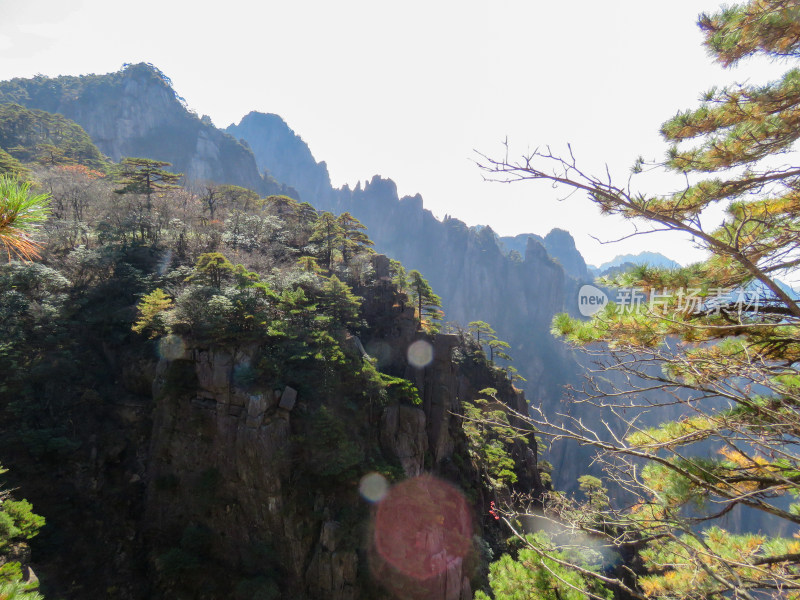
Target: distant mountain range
(653,259)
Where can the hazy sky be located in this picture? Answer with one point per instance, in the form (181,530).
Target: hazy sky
(409,90)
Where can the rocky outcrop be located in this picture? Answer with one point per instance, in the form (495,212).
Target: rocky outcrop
(476,281)
(333,572)
(282,153)
(135,112)
(468,268)
(561,246)
(239,463)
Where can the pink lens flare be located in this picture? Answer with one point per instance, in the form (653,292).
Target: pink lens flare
(422,526)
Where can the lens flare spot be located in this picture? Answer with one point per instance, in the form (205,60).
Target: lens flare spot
(373,487)
(171,347)
(420,354)
(422,527)
(380,351)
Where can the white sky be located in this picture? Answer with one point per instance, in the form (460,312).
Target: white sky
(409,89)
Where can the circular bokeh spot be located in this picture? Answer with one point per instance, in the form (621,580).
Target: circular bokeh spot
(422,526)
(420,354)
(171,347)
(373,487)
(381,351)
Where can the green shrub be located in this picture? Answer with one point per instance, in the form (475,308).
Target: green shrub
(332,445)
(400,390)
(25,519)
(11,571)
(8,529)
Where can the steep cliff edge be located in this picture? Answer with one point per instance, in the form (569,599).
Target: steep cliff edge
(174,469)
(476,281)
(274,467)
(517,295)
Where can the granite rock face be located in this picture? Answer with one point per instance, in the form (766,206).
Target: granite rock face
(283,154)
(135,112)
(561,246)
(231,458)
(404,436)
(475,279)
(472,269)
(468,267)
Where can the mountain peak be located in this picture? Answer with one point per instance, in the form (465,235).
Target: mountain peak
(654,259)
(281,152)
(147,70)
(136,112)
(559,244)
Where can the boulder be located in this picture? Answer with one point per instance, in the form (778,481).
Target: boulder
(288,398)
(256,407)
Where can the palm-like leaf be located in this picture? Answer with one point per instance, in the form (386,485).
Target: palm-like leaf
(21,213)
(18,590)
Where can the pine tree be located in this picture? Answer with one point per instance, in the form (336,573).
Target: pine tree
(724,330)
(309,264)
(496,346)
(327,233)
(10,165)
(145,176)
(18,524)
(212,268)
(339,301)
(151,314)
(427,303)
(352,238)
(281,205)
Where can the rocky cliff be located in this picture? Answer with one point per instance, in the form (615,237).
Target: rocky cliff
(135,112)
(559,245)
(517,295)
(194,468)
(471,268)
(473,276)
(248,465)
(279,151)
